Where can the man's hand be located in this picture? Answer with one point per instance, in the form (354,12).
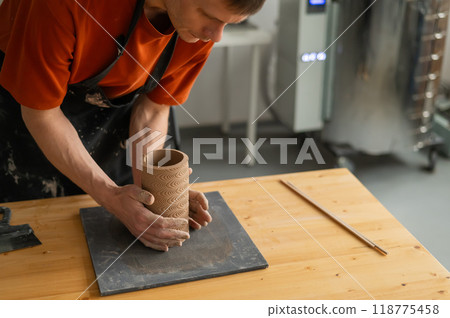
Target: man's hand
(198,210)
(153,230)
(147,113)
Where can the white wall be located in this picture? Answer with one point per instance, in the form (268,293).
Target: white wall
(205,99)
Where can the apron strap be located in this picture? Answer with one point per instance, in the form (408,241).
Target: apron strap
(152,80)
(161,66)
(122,42)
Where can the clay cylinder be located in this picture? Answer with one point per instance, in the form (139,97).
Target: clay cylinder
(166,176)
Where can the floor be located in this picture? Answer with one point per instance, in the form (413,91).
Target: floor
(420,200)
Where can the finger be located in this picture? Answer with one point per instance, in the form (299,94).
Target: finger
(173,235)
(147,220)
(141,195)
(163,228)
(200,198)
(198,213)
(160,230)
(200,216)
(168,236)
(158,247)
(190,171)
(194,224)
(172,226)
(175,243)
(196,206)
(161,242)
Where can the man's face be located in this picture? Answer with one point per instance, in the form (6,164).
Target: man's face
(201,19)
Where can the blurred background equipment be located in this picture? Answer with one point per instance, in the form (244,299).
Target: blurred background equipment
(302,36)
(441,124)
(374,89)
(387,75)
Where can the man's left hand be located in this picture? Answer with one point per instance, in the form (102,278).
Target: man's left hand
(198,210)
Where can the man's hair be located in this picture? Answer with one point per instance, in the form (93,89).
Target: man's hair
(245,7)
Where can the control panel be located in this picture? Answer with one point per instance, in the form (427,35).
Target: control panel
(316,6)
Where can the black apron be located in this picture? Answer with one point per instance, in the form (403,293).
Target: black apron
(25,173)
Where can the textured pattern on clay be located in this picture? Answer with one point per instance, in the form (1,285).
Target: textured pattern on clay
(168,183)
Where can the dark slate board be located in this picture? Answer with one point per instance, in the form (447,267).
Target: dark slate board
(221,248)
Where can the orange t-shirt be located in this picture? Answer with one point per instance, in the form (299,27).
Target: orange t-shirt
(50,44)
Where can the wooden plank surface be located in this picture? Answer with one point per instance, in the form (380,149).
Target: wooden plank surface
(299,268)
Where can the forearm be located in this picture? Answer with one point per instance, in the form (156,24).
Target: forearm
(147,114)
(60,143)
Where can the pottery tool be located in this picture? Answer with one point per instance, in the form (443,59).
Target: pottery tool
(14,237)
(335,218)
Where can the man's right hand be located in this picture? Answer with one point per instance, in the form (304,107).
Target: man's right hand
(155,231)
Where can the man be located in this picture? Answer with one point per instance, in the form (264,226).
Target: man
(77,73)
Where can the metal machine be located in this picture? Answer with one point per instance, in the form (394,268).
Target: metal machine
(387,74)
(374,88)
(301,42)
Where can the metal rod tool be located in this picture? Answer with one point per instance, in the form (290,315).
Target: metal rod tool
(335,218)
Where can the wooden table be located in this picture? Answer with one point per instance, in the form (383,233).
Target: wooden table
(298,267)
